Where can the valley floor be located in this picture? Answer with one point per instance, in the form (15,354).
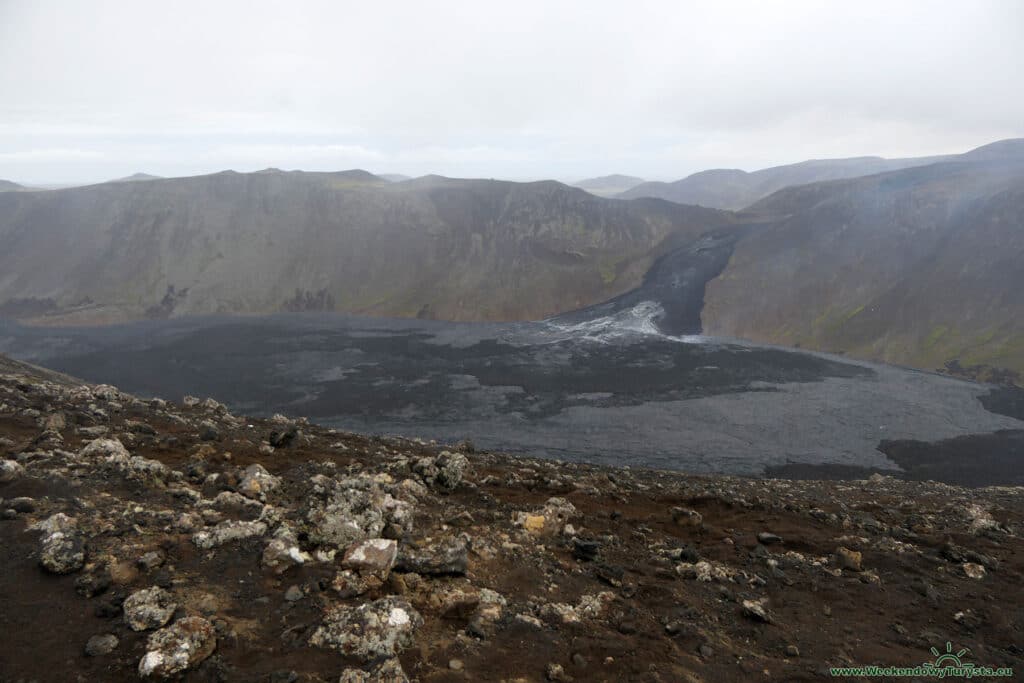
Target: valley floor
(177,540)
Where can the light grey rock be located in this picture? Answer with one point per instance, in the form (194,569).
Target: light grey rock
(110,449)
(257,482)
(370,631)
(9,471)
(227,532)
(63,546)
(148,608)
(388,671)
(282,552)
(179,647)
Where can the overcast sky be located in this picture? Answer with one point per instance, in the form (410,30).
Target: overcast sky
(548,89)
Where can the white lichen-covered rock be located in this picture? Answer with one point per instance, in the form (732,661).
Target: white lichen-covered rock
(706,571)
(370,631)
(451,467)
(9,471)
(388,671)
(373,555)
(550,519)
(489,611)
(177,648)
(257,482)
(110,449)
(148,608)
(352,509)
(63,546)
(227,532)
(443,472)
(282,551)
(589,607)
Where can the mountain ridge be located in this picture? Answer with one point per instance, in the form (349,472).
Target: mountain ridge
(348,241)
(735,189)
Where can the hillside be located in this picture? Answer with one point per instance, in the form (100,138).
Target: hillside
(609,185)
(920,266)
(349,241)
(735,189)
(8,186)
(151,540)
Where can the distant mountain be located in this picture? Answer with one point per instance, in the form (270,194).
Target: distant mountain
(921,266)
(8,186)
(735,189)
(135,177)
(609,185)
(394,177)
(349,241)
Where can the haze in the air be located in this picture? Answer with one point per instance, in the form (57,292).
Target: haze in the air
(93,91)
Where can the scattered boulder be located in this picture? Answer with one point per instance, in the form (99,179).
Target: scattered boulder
(228,531)
(388,671)
(148,608)
(63,546)
(556,673)
(449,556)
(93,582)
(9,471)
(550,519)
(451,467)
(257,482)
(848,559)
(284,438)
(370,631)
(110,449)
(756,610)
(376,555)
(349,584)
(97,646)
(283,552)
(489,612)
(208,431)
(687,517)
(973,570)
(179,647)
(21,504)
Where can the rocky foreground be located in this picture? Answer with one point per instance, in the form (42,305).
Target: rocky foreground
(151,540)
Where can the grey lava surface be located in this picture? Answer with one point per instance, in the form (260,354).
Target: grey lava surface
(611,389)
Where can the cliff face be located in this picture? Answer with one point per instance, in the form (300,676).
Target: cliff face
(920,266)
(351,242)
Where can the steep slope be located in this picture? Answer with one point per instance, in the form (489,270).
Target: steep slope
(350,241)
(921,266)
(609,185)
(736,189)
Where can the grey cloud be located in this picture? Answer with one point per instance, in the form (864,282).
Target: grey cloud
(525,89)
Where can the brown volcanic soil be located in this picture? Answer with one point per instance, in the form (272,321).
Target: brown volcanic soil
(652,620)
